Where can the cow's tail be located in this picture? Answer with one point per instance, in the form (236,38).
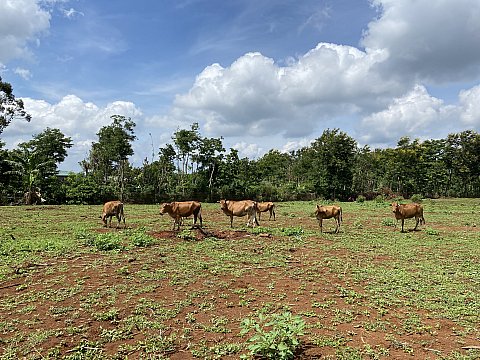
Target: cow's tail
(341,215)
(122,215)
(200,216)
(255,210)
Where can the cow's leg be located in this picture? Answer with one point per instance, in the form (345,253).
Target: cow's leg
(231,220)
(118,220)
(110,221)
(417,220)
(337,223)
(320,222)
(403,222)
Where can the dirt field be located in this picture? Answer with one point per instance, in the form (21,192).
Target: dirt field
(369,292)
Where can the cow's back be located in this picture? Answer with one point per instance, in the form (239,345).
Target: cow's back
(112,207)
(186,208)
(241,207)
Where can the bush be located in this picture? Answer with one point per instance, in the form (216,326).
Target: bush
(280,342)
(416,198)
(361,199)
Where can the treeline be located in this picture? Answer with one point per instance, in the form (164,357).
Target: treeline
(200,168)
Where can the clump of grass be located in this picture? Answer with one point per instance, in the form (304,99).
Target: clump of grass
(292,231)
(105,242)
(186,235)
(388,222)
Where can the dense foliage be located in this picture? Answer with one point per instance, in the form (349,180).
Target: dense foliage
(195,167)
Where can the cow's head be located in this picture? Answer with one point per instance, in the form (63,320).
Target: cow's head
(395,207)
(223,204)
(320,210)
(165,208)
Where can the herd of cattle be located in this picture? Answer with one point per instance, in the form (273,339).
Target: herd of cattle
(252,209)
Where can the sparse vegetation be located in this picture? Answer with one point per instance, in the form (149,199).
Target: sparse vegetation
(73,289)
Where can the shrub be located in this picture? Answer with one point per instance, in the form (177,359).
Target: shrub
(280,342)
(361,199)
(416,198)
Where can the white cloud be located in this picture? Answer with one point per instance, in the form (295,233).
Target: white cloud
(470,104)
(24,73)
(254,96)
(72,13)
(417,114)
(435,41)
(250,151)
(21,22)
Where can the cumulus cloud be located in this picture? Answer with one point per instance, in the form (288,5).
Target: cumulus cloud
(418,115)
(470,105)
(21,23)
(432,41)
(255,96)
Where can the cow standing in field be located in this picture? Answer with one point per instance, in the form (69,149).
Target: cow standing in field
(408,211)
(328,212)
(111,209)
(180,209)
(240,208)
(264,207)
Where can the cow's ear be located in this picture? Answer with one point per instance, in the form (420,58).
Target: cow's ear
(318,206)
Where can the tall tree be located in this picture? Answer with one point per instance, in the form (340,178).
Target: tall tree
(10,107)
(334,157)
(110,153)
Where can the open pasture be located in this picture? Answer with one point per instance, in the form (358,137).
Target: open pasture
(71,289)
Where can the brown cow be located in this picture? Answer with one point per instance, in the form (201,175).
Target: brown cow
(408,211)
(266,206)
(328,212)
(180,209)
(111,209)
(240,208)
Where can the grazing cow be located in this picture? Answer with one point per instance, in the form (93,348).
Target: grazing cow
(266,206)
(240,208)
(111,209)
(408,211)
(180,209)
(328,212)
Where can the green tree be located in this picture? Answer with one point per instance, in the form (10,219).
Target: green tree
(35,162)
(186,144)
(30,168)
(10,107)
(333,163)
(108,156)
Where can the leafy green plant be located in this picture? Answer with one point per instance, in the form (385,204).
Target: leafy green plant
(276,336)
(186,235)
(103,242)
(361,199)
(292,231)
(416,198)
(140,239)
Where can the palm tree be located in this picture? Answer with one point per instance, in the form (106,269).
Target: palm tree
(30,167)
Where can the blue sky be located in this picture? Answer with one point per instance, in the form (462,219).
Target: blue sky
(261,74)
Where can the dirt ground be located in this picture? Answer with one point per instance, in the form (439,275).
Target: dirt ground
(224,294)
